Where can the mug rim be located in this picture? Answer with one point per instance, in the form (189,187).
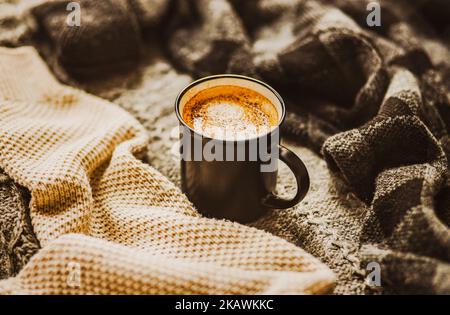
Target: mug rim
(236,76)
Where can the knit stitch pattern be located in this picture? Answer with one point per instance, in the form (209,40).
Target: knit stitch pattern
(96,206)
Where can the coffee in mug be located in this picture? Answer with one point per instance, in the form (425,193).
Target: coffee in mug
(230,112)
(230,147)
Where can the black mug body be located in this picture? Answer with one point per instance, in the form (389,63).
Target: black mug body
(231,188)
(236,179)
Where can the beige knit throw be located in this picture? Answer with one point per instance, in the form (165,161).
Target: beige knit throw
(111,224)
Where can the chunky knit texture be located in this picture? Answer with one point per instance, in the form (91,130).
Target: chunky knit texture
(135,231)
(17,240)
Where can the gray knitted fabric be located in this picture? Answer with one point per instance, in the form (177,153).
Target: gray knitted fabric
(368,112)
(17,240)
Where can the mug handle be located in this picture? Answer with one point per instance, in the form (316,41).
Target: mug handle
(301,175)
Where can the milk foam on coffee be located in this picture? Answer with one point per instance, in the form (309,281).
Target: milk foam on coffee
(230,112)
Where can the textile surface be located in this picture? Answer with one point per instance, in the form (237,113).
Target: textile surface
(135,231)
(17,240)
(368,111)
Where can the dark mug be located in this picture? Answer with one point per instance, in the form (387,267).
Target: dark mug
(239,183)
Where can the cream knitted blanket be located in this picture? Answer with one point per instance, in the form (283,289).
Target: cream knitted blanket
(112,222)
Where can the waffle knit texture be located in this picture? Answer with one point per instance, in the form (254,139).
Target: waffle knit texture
(96,206)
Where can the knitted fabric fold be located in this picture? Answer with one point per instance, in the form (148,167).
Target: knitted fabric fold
(130,229)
